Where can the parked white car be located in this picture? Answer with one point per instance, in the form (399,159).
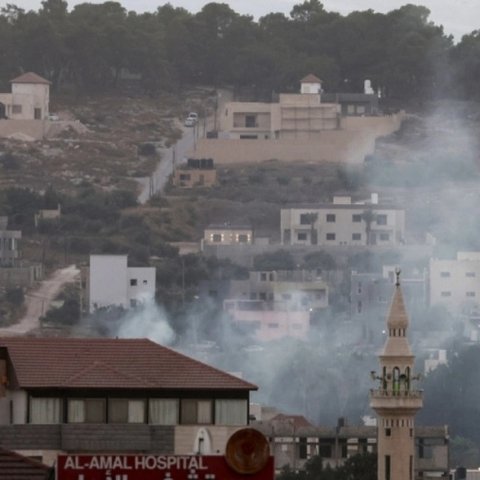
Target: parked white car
(191,119)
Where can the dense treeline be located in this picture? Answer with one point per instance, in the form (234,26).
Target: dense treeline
(402,52)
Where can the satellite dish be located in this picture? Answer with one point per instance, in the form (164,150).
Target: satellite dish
(247,451)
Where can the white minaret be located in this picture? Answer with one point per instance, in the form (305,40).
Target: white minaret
(395,400)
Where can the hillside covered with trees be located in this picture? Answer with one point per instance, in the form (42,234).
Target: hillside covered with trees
(406,56)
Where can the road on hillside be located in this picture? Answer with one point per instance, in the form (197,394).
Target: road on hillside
(39,299)
(177,153)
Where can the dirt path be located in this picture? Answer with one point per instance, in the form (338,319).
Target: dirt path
(38,301)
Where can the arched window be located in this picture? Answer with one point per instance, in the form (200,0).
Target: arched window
(407,379)
(396,380)
(384,378)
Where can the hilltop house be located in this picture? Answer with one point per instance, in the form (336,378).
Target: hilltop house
(60,395)
(305,126)
(343,223)
(29,99)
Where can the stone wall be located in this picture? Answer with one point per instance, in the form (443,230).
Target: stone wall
(349,145)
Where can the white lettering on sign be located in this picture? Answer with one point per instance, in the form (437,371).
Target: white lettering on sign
(135,462)
(151,462)
(109,463)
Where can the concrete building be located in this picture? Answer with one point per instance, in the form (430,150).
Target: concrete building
(266,322)
(395,400)
(227,234)
(8,244)
(298,289)
(456,283)
(295,116)
(294,440)
(196,173)
(60,395)
(305,127)
(343,223)
(369,292)
(29,99)
(112,283)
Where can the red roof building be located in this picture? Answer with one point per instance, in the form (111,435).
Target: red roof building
(75,394)
(30,77)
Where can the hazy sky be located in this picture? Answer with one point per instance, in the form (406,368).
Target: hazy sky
(457,16)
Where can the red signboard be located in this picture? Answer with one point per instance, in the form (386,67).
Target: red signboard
(153,467)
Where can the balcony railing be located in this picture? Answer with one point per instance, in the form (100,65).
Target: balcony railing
(380,393)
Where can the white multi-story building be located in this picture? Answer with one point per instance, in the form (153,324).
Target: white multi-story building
(113,283)
(456,283)
(343,223)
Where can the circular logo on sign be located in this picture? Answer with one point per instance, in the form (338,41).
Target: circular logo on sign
(247,451)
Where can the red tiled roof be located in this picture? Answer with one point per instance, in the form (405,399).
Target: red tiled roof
(17,467)
(310,78)
(110,363)
(30,77)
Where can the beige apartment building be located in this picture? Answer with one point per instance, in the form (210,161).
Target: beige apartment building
(294,116)
(343,223)
(456,283)
(308,126)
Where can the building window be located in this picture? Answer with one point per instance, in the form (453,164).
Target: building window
(163,411)
(242,238)
(384,237)
(133,302)
(307,218)
(388,432)
(445,274)
(330,218)
(302,236)
(86,410)
(263,277)
(446,294)
(359,306)
(122,410)
(387,467)
(330,236)
(470,294)
(356,236)
(217,237)
(133,282)
(302,448)
(262,295)
(184,176)
(325,451)
(231,412)
(470,274)
(145,282)
(45,411)
(250,121)
(196,412)
(16,109)
(381,219)
(356,218)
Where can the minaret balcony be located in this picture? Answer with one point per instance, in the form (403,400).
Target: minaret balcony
(387,399)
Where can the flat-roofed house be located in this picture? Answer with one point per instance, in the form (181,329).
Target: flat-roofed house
(227,234)
(343,222)
(62,395)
